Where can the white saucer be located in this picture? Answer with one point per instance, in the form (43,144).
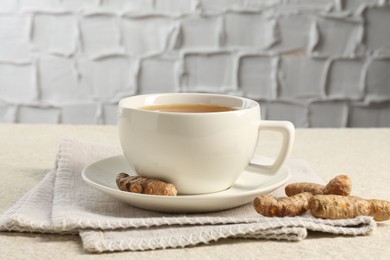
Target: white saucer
(101,175)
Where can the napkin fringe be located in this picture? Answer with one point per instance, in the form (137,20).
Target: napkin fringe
(96,242)
(289,229)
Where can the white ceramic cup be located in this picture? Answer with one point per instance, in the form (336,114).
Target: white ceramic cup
(197,152)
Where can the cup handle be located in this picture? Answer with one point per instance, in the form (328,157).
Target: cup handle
(287,130)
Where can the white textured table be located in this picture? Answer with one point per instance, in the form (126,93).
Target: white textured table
(27,152)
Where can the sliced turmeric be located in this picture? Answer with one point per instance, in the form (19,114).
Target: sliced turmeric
(270,206)
(138,184)
(341,207)
(340,185)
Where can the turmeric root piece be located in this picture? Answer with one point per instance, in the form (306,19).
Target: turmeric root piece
(269,206)
(342,207)
(340,185)
(380,209)
(138,184)
(299,187)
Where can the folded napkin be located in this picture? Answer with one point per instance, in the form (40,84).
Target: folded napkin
(63,203)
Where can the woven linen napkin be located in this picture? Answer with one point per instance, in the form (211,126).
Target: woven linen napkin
(63,203)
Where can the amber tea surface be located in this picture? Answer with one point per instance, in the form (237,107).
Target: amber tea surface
(188,108)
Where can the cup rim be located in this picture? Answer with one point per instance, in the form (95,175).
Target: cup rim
(247,103)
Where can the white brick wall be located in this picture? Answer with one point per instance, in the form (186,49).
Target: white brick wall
(317,63)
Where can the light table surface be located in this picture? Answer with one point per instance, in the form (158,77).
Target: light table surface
(27,153)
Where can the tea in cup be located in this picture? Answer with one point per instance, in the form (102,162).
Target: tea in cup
(199,142)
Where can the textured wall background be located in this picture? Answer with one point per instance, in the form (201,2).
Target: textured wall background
(317,63)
